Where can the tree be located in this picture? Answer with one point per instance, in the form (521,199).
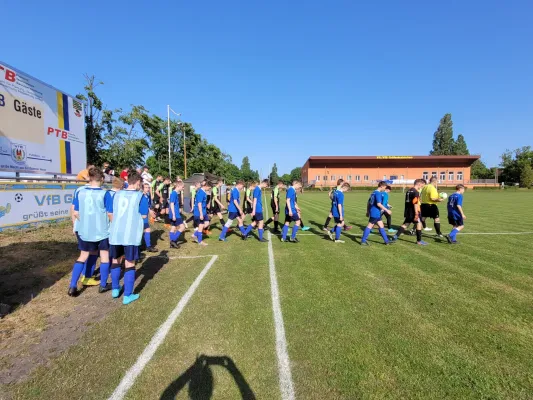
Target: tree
(98,121)
(526,176)
(480,171)
(460,148)
(285,178)
(246,172)
(274,177)
(513,163)
(443,143)
(296,174)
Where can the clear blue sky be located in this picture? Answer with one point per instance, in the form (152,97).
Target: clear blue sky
(282,80)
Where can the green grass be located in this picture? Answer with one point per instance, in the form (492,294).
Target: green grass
(379,322)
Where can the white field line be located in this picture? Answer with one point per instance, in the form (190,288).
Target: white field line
(426,234)
(286,385)
(127,382)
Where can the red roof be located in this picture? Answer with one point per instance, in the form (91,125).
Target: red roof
(377,161)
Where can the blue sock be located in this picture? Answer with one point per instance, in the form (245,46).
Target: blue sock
(199,236)
(104,274)
(115,276)
(284,232)
(241,228)
(176,236)
(332,229)
(90,265)
(129,281)
(337,232)
(453,234)
(223,233)
(146,240)
(384,235)
(366,233)
(260,233)
(294,231)
(76,272)
(248,230)
(171,236)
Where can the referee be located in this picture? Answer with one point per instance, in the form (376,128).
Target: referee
(430,198)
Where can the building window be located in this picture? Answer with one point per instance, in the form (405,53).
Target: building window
(401,177)
(433,174)
(340,177)
(349,177)
(450,176)
(318,178)
(384,177)
(460,176)
(442,176)
(332,177)
(393,177)
(357,178)
(425,176)
(325,178)
(366,178)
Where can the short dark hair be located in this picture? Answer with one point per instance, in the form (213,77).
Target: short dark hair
(339,181)
(95,174)
(417,181)
(133,177)
(460,186)
(240,182)
(388,188)
(265,181)
(345,185)
(432,179)
(382,183)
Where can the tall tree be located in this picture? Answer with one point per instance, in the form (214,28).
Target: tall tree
(460,148)
(296,174)
(98,121)
(286,178)
(443,143)
(246,171)
(513,162)
(526,176)
(274,177)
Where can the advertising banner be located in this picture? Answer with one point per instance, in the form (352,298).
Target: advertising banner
(25,204)
(42,129)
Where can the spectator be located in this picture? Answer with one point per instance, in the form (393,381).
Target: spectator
(124,174)
(147,177)
(83,175)
(109,173)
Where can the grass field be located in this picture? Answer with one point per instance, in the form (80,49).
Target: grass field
(360,322)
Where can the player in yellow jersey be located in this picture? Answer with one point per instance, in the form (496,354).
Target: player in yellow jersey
(430,198)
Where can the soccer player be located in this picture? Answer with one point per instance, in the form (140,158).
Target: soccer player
(247,203)
(92,227)
(389,207)
(156,200)
(374,208)
(331,194)
(234,211)
(291,213)
(177,226)
(430,198)
(147,230)
(337,210)
(128,211)
(274,204)
(302,225)
(194,189)
(257,211)
(163,191)
(200,211)
(456,216)
(216,202)
(412,212)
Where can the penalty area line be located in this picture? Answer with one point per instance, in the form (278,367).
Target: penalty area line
(286,385)
(131,375)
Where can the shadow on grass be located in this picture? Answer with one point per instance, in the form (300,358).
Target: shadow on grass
(29,268)
(150,267)
(199,379)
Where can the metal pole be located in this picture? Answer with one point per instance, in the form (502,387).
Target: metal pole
(185,154)
(168,126)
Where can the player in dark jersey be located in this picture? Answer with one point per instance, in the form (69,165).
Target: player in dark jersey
(412,212)
(275,205)
(163,192)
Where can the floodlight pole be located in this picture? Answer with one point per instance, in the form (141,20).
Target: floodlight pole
(168,131)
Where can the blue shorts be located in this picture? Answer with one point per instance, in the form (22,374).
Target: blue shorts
(233,215)
(92,246)
(198,221)
(177,222)
(257,217)
(374,220)
(131,253)
(455,221)
(146,224)
(295,217)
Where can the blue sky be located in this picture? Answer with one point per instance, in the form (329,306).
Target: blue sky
(280,81)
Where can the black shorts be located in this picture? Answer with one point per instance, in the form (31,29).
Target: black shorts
(273,206)
(455,221)
(92,246)
(248,209)
(295,218)
(337,220)
(430,211)
(410,217)
(215,208)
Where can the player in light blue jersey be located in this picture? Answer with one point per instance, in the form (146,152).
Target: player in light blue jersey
(92,226)
(234,211)
(291,213)
(129,210)
(374,208)
(177,227)
(257,210)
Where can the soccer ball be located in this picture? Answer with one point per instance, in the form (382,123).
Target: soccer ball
(443,195)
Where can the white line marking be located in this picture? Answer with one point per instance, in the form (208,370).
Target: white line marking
(496,233)
(284,365)
(127,382)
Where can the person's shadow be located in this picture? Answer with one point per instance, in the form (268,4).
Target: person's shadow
(200,381)
(150,267)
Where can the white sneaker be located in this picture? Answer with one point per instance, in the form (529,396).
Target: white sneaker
(428,229)
(339,241)
(330,235)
